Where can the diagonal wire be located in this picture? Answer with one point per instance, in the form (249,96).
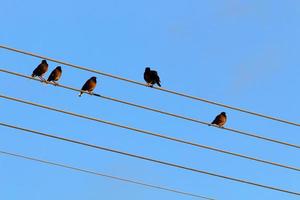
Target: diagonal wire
(104,175)
(160,111)
(158,88)
(152,134)
(173,165)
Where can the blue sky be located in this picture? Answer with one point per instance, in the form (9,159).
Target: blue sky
(242,53)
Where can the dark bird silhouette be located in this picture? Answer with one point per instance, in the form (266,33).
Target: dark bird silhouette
(220,119)
(89,85)
(40,70)
(151,77)
(55,75)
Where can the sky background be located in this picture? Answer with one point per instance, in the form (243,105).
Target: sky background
(241,53)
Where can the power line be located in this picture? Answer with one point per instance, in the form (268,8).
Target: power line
(158,88)
(104,175)
(167,163)
(160,111)
(150,133)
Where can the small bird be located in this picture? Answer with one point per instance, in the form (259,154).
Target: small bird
(40,70)
(55,75)
(89,85)
(220,119)
(151,77)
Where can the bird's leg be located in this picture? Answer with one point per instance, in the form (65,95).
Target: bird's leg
(41,78)
(152,83)
(55,83)
(44,79)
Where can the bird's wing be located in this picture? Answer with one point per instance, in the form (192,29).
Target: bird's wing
(86,85)
(216,120)
(37,69)
(51,76)
(156,77)
(154,73)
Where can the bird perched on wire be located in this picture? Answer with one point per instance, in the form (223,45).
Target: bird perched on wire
(40,70)
(89,85)
(151,77)
(220,119)
(55,75)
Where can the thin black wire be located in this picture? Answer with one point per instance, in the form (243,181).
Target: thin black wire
(149,133)
(158,88)
(160,111)
(167,163)
(104,175)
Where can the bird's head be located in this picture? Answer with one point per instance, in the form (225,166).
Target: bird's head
(147,69)
(44,61)
(94,78)
(59,68)
(223,113)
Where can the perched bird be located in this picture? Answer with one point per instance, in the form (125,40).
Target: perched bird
(151,77)
(55,75)
(40,70)
(89,85)
(220,119)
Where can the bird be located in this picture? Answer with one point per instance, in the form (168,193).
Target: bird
(220,119)
(55,75)
(151,77)
(89,85)
(40,70)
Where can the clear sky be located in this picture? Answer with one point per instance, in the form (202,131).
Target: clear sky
(242,53)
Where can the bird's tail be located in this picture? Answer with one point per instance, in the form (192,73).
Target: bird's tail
(80,94)
(158,83)
(32,75)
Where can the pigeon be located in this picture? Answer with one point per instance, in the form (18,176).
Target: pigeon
(40,70)
(89,85)
(220,119)
(55,75)
(151,77)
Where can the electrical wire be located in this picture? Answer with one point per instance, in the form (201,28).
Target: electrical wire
(169,164)
(151,133)
(160,111)
(104,175)
(158,88)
